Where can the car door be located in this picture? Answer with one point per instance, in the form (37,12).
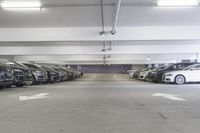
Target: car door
(195,73)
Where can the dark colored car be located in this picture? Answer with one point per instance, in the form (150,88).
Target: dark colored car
(19,73)
(156,76)
(71,74)
(63,75)
(78,74)
(27,72)
(53,75)
(26,77)
(6,76)
(39,74)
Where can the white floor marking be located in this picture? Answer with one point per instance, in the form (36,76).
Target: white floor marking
(37,96)
(169,96)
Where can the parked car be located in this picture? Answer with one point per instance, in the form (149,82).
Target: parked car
(156,75)
(38,73)
(58,73)
(143,74)
(71,74)
(78,74)
(6,76)
(188,74)
(19,73)
(27,72)
(132,73)
(27,76)
(62,73)
(53,75)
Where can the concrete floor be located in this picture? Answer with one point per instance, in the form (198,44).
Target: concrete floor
(101,103)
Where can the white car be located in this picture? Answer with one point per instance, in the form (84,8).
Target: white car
(144,73)
(188,74)
(131,73)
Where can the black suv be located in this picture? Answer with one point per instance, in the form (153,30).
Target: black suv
(18,72)
(63,75)
(156,76)
(39,74)
(53,75)
(71,74)
(27,72)
(78,74)
(6,76)
(25,78)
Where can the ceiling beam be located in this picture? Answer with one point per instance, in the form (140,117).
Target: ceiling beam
(96,4)
(91,34)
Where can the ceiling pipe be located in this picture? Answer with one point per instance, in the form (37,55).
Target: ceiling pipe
(103,32)
(102,17)
(116,16)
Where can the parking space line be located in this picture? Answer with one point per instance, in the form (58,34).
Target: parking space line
(37,96)
(169,96)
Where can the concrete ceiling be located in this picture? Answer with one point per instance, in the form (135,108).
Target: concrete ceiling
(67,31)
(64,13)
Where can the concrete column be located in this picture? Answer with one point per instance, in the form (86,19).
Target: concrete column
(198,57)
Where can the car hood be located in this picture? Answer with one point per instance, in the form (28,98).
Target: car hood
(175,72)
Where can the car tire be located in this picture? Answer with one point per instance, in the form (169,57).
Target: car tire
(179,79)
(19,85)
(158,80)
(8,86)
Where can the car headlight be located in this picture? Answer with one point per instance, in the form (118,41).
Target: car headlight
(169,74)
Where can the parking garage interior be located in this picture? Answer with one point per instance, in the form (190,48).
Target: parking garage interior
(99,66)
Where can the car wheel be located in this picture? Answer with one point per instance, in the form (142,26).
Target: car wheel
(29,83)
(179,79)
(158,80)
(19,85)
(8,86)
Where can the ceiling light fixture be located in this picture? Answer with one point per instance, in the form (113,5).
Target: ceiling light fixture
(177,3)
(29,5)
(148,58)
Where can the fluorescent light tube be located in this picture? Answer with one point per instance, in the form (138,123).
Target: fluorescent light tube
(148,58)
(178,3)
(20,4)
(23,9)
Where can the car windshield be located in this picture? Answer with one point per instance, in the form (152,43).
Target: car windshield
(37,65)
(22,65)
(30,65)
(188,67)
(175,67)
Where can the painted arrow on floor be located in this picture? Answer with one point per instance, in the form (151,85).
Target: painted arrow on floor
(169,96)
(37,96)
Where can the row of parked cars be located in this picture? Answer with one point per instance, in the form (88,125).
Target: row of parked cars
(179,73)
(20,74)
